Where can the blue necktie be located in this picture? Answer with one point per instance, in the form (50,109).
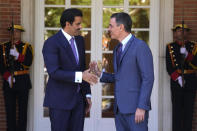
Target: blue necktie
(118,53)
(75,54)
(74,49)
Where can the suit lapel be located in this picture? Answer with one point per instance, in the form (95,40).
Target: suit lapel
(126,48)
(64,43)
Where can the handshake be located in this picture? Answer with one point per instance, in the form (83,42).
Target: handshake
(92,74)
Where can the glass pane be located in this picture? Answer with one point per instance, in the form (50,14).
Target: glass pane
(139,2)
(87,38)
(107,108)
(107,12)
(46,112)
(113,2)
(107,42)
(55,2)
(46,77)
(143,35)
(140,17)
(107,89)
(80,2)
(49,33)
(87,60)
(86,23)
(52,16)
(107,62)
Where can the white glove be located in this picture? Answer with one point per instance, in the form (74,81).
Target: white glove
(180,81)
(183,51)
(9,80)
(14,53)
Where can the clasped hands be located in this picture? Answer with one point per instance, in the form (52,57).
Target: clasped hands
(92,74)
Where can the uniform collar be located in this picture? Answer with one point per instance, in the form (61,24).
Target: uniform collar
(17,42)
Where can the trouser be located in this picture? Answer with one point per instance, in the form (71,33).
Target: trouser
(13,97)
(126,122)
(68,120)
(182,107)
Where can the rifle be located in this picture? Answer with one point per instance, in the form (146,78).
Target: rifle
(11,58)
(183,40)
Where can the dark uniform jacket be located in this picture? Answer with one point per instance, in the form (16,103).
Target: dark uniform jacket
(18,68)
(178,65)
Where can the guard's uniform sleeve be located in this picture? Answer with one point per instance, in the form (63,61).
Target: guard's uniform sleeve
(1,59)
(4,60)
(193,61)
(170,64)
(26,56)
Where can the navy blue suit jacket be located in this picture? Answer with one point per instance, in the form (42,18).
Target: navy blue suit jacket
(133,77)
(61,89)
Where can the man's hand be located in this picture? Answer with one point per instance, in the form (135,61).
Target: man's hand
(89,77)
(139,115)
(10,80)
(180,81)
(94,68)
(14,53)
(88,106)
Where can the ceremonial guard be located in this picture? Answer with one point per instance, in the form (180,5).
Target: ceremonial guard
(181,63)
(15,60)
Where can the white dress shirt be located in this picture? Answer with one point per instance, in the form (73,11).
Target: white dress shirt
(125,41)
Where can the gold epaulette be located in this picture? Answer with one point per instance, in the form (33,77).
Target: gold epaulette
(31,48)
(27,45)
(171,53)
(25,48)
(194,51)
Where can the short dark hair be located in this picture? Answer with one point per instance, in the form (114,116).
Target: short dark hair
(123,18)
(69,16)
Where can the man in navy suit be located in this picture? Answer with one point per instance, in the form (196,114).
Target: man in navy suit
(67,94)
(133,76)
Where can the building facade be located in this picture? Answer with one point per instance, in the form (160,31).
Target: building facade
(152,22)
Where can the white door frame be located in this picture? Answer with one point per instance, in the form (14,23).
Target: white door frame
(154,40)
(160,34)
(40,122)
(27,20)
(166,36)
